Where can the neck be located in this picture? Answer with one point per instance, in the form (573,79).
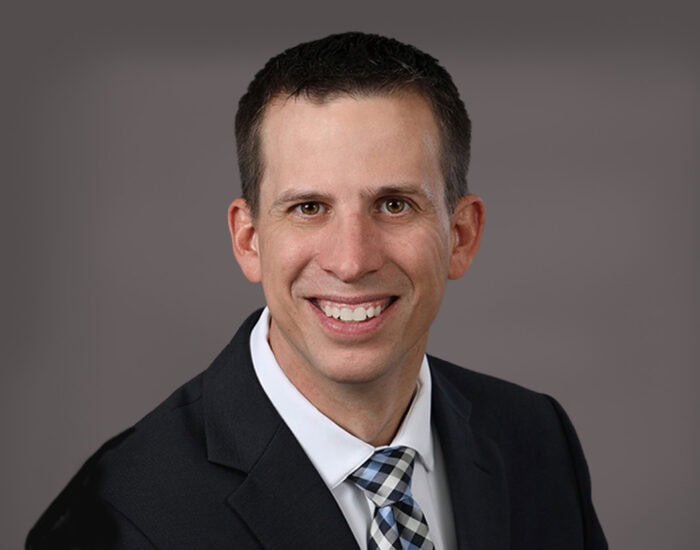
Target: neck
(372,414)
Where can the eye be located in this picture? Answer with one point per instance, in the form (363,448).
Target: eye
(395,206)
(309,209)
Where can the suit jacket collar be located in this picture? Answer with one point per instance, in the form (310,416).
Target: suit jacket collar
(282,499)
(475,471)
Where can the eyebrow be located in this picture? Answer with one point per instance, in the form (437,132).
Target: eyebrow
(301,195)
(410,189)
(296,196)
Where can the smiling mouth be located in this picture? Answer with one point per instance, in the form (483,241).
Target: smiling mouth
(353,313)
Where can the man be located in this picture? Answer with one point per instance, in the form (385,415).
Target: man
(323,424)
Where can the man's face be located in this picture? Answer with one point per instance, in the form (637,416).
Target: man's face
(353,242)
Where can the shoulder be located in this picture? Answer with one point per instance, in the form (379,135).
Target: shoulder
(534,442)
(486,393)
(93,509)
(505,412)
(170,442)
(144,477)
(170,435)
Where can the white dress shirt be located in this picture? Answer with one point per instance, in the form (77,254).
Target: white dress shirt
(336,453)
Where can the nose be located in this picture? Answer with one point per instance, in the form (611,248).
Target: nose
(351,248)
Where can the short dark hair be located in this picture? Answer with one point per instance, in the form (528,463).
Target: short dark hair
(354,64)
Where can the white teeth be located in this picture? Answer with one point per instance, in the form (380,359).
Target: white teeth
(350,315)
(360,314)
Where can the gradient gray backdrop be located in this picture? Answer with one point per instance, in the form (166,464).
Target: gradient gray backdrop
(117,278)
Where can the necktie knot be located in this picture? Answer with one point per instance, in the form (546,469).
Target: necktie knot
(398,522)
(386,475)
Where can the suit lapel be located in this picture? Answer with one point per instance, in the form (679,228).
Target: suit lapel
(282,499)
(286,503)
(475,472)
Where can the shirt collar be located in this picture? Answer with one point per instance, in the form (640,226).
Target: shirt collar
(334,452)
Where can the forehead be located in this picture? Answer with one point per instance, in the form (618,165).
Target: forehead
(301,110)
(349,136)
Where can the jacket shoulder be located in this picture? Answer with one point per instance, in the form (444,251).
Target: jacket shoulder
(507,413)
(543,461)
(147,476)
(81,516)
(491,400)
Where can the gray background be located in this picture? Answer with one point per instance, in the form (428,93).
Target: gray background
(117,278)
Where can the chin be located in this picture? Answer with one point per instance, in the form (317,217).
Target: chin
(356,369)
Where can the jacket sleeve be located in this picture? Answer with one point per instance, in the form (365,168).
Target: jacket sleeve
(594,539)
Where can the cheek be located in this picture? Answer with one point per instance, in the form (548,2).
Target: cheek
(424,254)
(283,258)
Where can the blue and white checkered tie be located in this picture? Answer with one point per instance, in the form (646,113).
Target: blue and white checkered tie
(398,522)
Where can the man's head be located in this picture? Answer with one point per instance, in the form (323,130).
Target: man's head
(354,65)
(349,231)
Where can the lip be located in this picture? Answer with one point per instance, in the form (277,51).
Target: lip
(353,300)
(342,329)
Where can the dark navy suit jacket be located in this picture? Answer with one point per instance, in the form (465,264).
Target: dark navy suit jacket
(215,467)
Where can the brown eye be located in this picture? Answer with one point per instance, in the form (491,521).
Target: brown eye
(395,206)
(309,208)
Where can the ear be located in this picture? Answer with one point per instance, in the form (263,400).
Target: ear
(244,238)
(466,227)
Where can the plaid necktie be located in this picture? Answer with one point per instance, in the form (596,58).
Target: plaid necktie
(398,522)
